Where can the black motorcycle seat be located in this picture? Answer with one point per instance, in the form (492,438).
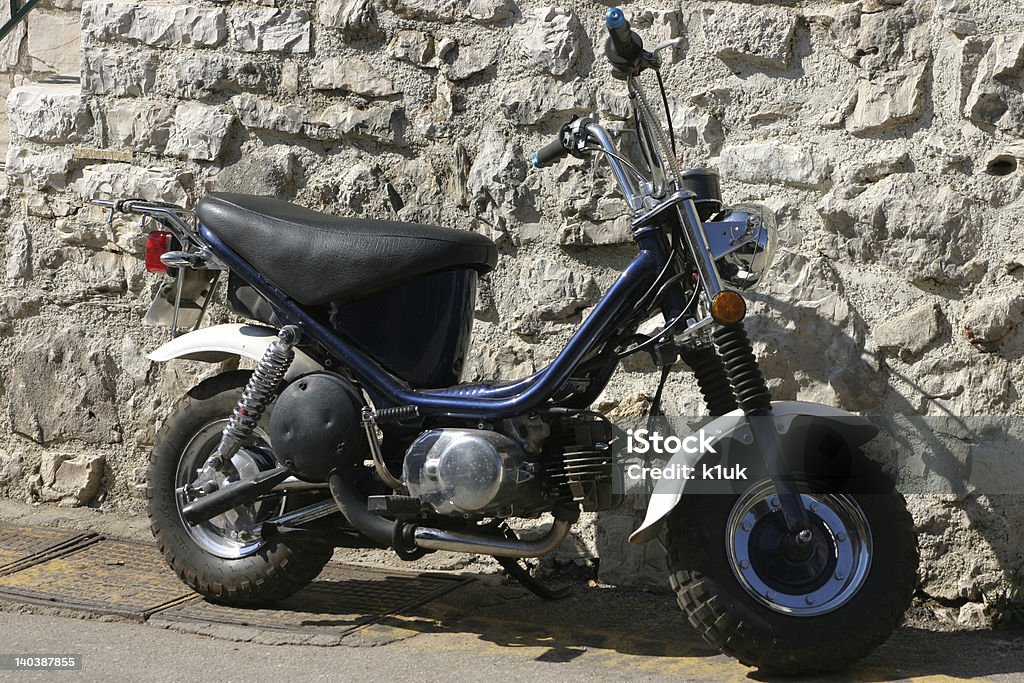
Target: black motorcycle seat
(316,258)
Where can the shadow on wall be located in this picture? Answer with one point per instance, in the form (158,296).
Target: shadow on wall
(963,475)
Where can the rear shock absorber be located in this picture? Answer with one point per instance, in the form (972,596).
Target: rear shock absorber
(709,371)
(741,367)
(264,381)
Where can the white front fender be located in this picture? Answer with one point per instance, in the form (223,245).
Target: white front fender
(733,427)
(220,342)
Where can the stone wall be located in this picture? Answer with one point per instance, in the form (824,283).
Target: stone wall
(886,134)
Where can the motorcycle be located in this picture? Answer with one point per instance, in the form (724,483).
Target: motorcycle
(354,427)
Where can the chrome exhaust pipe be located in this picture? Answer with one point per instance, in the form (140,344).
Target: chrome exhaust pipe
(468,542)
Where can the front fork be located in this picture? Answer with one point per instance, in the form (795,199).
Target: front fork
(732,378)
(737,365)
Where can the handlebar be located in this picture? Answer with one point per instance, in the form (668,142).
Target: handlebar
(624,48)
(625,51)
(550,153)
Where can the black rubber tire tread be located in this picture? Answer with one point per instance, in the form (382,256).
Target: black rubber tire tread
(729,618)
(276,571)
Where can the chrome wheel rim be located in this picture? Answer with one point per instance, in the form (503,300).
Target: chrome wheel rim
(235,533)
(787,577)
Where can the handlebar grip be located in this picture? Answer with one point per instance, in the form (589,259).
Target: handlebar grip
(549,153)
(627,45)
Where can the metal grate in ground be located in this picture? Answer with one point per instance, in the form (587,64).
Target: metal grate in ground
(343,599)
(24,546)
(106,576)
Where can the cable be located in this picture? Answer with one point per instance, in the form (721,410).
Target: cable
(661,333)
(622,160)
(668,114)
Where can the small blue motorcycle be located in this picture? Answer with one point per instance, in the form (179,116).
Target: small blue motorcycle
(354,428)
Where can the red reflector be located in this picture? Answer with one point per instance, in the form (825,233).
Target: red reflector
(157,244)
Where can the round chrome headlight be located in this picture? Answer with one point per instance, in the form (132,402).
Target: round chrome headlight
(753,230)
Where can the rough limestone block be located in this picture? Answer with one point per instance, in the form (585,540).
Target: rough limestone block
(53,41)
(353,17)
(533,100)
(203,74)
(139,125)
(552,38)
(271,172)
(199,132)
(489,11)
(759,35)
(154,25)
(770,163)
(19,254)
(381,122)
(78,478)
(351,74)
(991,319)
(889,100)
(10,46)
(415,47)
(261,114)
(125,180)
(63,387)
(38,170)
(924,231)
(909,334)
(996,96)
(45,112)
(445,11)
(108,72)
(271,30)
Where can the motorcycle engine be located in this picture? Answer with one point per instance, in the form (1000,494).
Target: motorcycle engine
(471,471)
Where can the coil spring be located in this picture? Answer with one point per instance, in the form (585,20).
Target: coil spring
(741,366)
(265,379)
(396,414)
(709,371)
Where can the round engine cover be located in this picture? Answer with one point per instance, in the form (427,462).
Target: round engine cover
(315,425)
(464,470)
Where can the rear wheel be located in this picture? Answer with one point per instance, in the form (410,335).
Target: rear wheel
(225,558)
(788,607)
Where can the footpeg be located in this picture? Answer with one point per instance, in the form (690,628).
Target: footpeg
(397,507)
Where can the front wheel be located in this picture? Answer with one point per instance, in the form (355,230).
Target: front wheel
(225,559)
(788,607)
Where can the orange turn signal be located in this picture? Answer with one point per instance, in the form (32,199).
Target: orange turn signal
(728,307)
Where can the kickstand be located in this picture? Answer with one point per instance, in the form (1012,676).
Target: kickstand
(522,575)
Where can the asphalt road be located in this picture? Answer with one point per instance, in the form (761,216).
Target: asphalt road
(483,631)
(508,638)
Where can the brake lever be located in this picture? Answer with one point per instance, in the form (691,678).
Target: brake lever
(665,44)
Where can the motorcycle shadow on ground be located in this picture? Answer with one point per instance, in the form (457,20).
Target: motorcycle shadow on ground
(645,629)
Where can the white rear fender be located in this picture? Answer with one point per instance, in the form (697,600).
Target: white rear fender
(221,342)
(731,433)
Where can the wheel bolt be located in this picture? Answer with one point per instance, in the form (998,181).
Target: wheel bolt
(770,595)
(841,536)
(814,507)
(744,564)
(809,599)
(774,502)
(840,576)
(747,526)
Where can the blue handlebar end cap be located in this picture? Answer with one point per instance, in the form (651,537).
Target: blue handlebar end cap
(614,18)
(535,161)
